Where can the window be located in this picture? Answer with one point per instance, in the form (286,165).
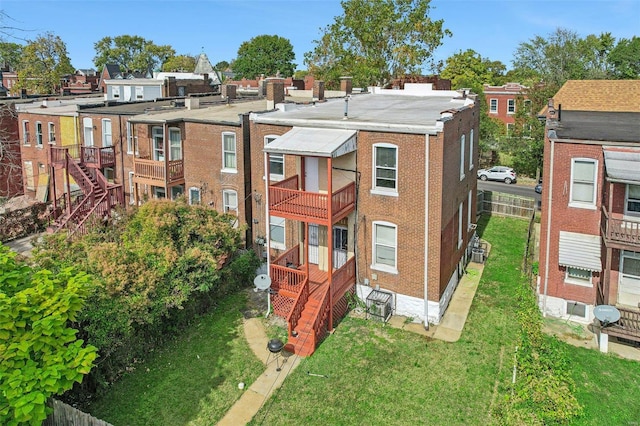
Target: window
(276,162)
(157,135)
(583,182)
(509,129)
(26,137)
(130,147)
(52,133)
(39,134)
(276,232)
(632,207)
(471,150)
(230,203)
(106,132)
(132,194)
(175,144)
(28,171)
(469,204)
(194,195)
(177,191)
(576,309)
(229,152)
(578,276)
(159,192)
(115,92)
(109,174)
(87,126)
(139,93)
(460,225)
(462,151)
(385,170)
(527,105)
(493,106)
(511,106)
(384,247)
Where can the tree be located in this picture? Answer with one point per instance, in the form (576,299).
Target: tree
(43,63)
(180,63)
(221,66)
(375,41)
(470,70)
(40,355)
(625,58)
(10,55)
(10,161)
(131,53)
(265,54)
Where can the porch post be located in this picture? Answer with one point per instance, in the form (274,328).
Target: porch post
(66,172)
(330,237)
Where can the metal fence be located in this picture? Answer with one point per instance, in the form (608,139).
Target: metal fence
(500,203)
(65,415)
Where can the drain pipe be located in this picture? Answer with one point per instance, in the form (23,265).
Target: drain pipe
(549,209)
(267,226)
(426,233)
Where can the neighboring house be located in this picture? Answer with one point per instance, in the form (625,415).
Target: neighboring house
(83,81)
(164,85)
(503,102)
(375,192)
(10,160)
(9,82)
(590,227)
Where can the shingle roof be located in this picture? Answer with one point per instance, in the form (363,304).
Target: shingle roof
(599,126)
(599,95)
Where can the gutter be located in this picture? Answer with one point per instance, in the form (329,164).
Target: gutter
(549,210)
(426,234)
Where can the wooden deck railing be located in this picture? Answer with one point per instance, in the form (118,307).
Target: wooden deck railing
(298,306)
(620,230)
(321,324)
(627,327)
(286,198)
(289,257)
(343,279)
(158,171)
(99,157)
(289,279)
(59,153)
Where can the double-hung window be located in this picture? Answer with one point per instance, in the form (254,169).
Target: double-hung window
(230,203)
(385,169)
(106,132)
(87,125)
(229,152)
(471,150)
(493,106)
(460,225)
(39,134)
(462,152)
(578,276)
(276,162)
(175,144)
(276,232)
(26,137)
(194,195)
(511,106)
(52,133)
(583,183)
(385,244)
(157,134)
(632,205)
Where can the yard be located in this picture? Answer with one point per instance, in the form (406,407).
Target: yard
(366,373)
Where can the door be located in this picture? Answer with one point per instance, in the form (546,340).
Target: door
(311,174)
(313,244)
(340,235)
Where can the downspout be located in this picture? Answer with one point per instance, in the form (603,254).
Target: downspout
(121,156)
(426,233)
(549,209)
(267,224)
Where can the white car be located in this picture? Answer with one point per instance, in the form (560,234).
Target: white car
(504,174)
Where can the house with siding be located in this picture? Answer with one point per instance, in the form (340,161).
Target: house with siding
(372,195)
(590,226)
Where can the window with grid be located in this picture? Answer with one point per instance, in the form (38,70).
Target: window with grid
(493,106)
(385,171)
(511,106)
(39,134)
(633,200)
(52,133)
(229,151)
(384,246)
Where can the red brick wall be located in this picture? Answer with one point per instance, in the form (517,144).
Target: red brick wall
(10,162)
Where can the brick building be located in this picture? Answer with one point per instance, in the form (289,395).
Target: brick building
(590,227)
(503,101)
(10,160)
(390,191)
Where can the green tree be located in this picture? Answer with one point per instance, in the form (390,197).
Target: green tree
(625,58)
(131,53)
(10,54)
(375,41)
(265,54)
(180,63)
(221,66)
(43,63)
(40,355)
(470,70)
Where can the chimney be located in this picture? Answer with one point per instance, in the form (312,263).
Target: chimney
(229,91)
(318,90)
(192,103)
(346,85)
(275,92)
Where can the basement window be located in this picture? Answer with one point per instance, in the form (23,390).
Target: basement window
(576,309)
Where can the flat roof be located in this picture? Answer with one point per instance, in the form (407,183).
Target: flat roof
(222,112)
(390,112)
(599,126)
(139,107)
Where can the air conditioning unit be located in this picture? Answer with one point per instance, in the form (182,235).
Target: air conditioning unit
(477,255)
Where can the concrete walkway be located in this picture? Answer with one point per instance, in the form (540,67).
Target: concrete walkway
(22,246)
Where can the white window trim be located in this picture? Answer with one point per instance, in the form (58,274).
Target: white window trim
(509,103)
(132,188)
(235,153)
(491,110)
(393,192)
(39,135)
(581,204)
(130,140)
(627,212)
(26,136)
(175,129)
(155,150)
(88,120)
(469,204)
(195,189)
(106,121)
(460,210)
(275,244)
(51,126)
(227,207)
(471,150)
(273,176)
(462,155)
(381,267)
(575,281)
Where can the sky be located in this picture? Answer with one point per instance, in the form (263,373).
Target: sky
(493,28)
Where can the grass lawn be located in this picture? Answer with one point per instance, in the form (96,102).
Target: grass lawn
(193,380)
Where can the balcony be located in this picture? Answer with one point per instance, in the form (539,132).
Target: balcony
(627,327)
(158,173)
(286,200)
(620,232)
(98,157)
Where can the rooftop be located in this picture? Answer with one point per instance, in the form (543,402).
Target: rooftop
(599,126)
(599,95)
(221,112)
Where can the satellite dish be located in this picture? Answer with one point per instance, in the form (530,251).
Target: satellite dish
(606,314)
(262,282)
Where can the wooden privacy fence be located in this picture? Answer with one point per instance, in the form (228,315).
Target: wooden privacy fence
(500,203)
(65,415)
